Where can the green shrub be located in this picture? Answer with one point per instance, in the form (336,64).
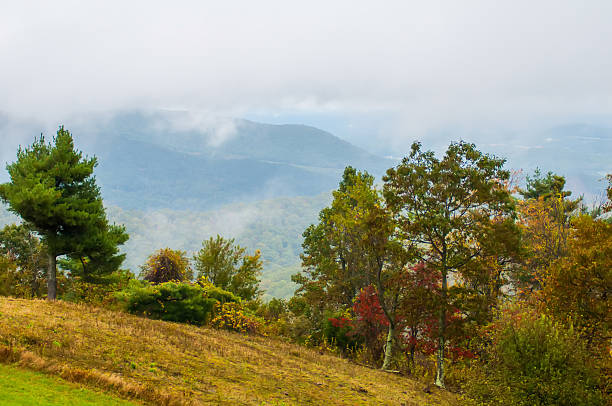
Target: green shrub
(170,301)
(532,360)
(339,331)
(220,295)
(101,294)
(231,316)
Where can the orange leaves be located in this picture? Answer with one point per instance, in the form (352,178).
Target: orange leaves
(546,224)
(576,287)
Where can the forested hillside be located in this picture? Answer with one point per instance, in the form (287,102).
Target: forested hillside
(273,226)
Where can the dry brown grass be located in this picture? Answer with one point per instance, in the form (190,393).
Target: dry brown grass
(168,363)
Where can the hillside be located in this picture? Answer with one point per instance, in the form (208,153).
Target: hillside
(168,363)
(178,160)
(273,226)
(580,152)
(176,178)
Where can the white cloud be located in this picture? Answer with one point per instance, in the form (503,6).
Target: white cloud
(427,64)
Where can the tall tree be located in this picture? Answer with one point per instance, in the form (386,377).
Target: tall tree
(53,189)
(545,218)
(576,287)
(333,261)
(442,207)
(351,248)
(228,266)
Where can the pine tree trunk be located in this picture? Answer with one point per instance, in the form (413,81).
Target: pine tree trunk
(389,347)
(51,278)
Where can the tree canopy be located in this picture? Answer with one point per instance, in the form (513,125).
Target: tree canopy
(228,266)
(442,208)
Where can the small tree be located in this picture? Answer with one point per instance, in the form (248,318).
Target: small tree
(53,189)
(227,265)
(24,250)
(544,186)
(529,359)
(166,265)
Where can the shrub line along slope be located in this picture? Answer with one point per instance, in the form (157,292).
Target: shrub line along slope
(170,363)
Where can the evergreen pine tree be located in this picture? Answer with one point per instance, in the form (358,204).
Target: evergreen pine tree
(53,189)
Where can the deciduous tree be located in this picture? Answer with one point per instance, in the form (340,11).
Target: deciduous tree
(442,206)
(576,287)
(21,247)
(228,266)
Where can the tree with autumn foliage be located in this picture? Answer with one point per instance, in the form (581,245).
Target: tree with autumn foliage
(370,322)
(353,247)
(166,265)
(442,207)
(333,260)
(608,205)
(418,308)
(25,262)
(576,287)
(545,219)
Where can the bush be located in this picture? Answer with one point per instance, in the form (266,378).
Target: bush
(339,330)
(214,292)
(231,316)
(169,301)
(166,265)
(531,360)
(101,294)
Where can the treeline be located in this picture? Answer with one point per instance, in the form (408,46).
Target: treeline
(448,272)
(452,272)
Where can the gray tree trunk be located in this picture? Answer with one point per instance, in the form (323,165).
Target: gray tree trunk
(51,278)
(442,335)
(389,347)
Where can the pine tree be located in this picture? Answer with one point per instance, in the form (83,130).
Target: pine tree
(53,189)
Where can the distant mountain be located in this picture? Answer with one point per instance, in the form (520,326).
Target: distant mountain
(175,179)
(580,152)
(170,160)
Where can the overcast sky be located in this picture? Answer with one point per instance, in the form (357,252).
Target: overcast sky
(384,66)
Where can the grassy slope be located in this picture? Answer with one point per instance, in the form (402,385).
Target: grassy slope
(169,363)
(22,387)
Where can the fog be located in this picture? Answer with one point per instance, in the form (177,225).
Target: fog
(389,70)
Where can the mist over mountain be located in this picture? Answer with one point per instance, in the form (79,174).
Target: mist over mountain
(175,178)
(580,152)
(183,161)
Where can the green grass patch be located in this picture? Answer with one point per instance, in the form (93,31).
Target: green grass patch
(22,387)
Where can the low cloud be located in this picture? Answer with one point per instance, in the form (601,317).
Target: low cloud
(424,66)
(216,129)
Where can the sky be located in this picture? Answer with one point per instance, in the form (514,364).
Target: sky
(376,72)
